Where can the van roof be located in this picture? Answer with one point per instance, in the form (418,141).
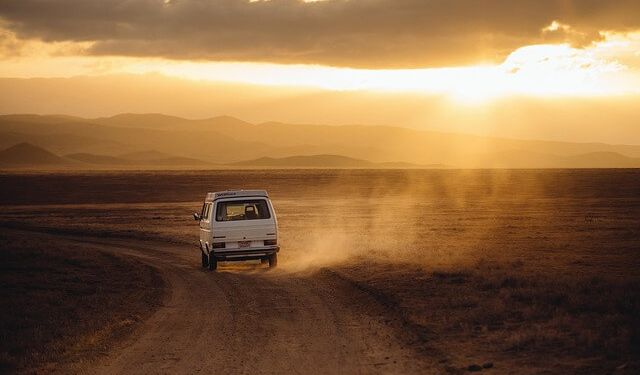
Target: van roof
(235,193)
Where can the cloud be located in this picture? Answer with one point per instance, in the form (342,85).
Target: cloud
(560,32)
(356,33)
(10,46)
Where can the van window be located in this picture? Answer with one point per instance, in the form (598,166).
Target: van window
(242,210)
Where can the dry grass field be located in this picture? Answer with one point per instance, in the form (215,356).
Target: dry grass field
(62,304)
(523,271)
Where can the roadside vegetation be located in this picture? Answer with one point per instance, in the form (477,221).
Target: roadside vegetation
(511,318)
(62,302)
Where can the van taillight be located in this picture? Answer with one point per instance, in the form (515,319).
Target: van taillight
(218,245)
(270,242)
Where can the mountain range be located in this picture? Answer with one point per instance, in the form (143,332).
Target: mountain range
(161,141)
(26,155)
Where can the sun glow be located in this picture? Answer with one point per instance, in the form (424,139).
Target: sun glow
(538,70)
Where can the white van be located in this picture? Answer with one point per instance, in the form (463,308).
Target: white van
(238,225)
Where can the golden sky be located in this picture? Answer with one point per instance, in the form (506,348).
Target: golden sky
(471,52)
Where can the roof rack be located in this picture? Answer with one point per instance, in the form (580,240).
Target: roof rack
(236,193)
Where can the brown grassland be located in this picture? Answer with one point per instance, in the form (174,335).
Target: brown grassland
(62,304)
(524,271)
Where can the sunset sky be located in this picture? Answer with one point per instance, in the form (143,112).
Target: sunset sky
(468,54)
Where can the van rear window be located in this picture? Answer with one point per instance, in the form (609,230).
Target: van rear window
(242,210)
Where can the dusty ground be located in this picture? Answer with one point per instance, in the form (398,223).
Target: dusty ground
(405,272)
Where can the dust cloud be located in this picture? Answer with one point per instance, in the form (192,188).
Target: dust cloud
(436,218)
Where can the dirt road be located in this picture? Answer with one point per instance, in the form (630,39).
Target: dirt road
(248,319)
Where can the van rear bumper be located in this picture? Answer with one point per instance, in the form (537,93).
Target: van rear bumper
(245,254)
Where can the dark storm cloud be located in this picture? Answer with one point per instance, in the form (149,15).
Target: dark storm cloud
(363,33)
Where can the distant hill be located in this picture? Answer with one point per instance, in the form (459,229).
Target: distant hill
(159,121)
(320,161)
(403,165)
(98,159)
(148,120)
(177,162)
(141,159)
(145,155)
(602,160)
(25,155)
(307,161)
(532,159)
(28,155)
(156,139)
(174,142)
(65,143)
(153,157)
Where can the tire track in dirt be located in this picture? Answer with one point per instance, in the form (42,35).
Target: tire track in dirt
(246,319)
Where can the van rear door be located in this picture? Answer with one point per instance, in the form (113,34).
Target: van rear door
(243,222)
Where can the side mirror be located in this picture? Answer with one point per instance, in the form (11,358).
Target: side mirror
(196,217)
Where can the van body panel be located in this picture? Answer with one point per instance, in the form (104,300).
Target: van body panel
(205,226)
(234,234)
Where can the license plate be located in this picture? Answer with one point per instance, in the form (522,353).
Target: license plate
(244,243)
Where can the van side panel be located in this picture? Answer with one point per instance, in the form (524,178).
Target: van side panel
(205,226)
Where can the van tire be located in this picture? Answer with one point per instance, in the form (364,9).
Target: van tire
(213,263)
(205,259)
(273,260)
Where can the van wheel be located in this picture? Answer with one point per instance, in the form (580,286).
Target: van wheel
(205,259)
(213,263)
(273,260)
